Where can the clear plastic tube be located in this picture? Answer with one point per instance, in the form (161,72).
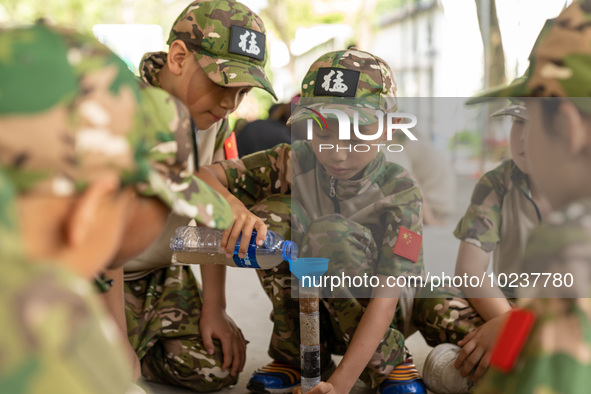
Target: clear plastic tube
(310,337)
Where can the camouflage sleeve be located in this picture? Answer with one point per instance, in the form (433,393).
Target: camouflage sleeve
(260,174)
(481,223)
(401,209)
(55,336)
(550,362)
(561,246)
(219,154)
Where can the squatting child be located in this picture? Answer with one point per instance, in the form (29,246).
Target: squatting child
(348,205)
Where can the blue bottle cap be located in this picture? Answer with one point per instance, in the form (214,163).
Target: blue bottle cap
(314,267)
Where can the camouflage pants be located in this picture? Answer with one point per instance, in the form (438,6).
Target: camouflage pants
(339,317)
(444,316)
(163,311)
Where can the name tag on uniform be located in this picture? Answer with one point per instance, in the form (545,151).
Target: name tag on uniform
(247,42)
(332,81)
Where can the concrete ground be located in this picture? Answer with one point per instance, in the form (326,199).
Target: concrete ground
(250,308)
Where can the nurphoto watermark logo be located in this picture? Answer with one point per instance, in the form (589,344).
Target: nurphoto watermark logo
(388,123)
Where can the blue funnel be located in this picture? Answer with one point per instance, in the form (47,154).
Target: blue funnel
(313,267)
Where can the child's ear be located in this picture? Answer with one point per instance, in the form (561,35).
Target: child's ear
(577,135)
(87,208)
(177,56)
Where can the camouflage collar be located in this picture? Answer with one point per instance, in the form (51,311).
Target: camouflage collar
(347,188)
(150,66)
(520,179)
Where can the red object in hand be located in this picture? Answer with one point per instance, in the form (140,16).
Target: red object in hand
(408,244)
(512,339)
(230,147)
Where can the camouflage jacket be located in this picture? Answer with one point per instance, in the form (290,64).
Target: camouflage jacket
(500,216)
(54,335)
(150,66)
(557,355)
(385,198)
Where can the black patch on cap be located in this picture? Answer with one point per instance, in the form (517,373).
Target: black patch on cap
(332,81)
(247,42)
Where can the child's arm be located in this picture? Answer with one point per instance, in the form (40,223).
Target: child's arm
(488,302)
(215,323)
(244,220)
(375,321)
(244,182)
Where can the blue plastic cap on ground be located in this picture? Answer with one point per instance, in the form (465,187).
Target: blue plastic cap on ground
(308,266)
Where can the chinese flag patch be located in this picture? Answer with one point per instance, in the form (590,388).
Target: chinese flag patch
(230,147)
(408,244)
(512,339)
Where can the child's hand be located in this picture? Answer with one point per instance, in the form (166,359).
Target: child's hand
(477,348)
(245,222)
(217,324)
(322,388)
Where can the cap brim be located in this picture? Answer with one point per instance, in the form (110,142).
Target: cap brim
(192,198)
(234,73)
(309,108)
(366,115)
(517,88)
(512,110)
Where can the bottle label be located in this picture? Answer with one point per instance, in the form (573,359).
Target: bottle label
(250,260)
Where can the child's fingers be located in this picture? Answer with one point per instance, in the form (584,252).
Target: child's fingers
(482,366)
(227,354)
(321,388)
(245,241)
(467,338)
(239,356)
(472,361)
(207,341)
(233,236)
(225,236)
(261,229)
(467,349)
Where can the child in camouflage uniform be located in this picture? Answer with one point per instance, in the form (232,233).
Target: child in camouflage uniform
(504,208)
(555,357)
(216,56)
(369,203)
(71,148)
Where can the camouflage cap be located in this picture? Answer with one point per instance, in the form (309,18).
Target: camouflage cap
(560,61)
(70,111)
(349,80)
(228,40)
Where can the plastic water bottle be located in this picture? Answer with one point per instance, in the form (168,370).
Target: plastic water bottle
(201,245)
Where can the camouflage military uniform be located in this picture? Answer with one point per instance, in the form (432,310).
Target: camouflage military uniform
(552,361)
(163,303)
(261,181)
(88,119)
(555,357)
(499,219)
(371,210)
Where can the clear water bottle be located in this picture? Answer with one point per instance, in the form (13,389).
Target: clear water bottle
(201,245)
